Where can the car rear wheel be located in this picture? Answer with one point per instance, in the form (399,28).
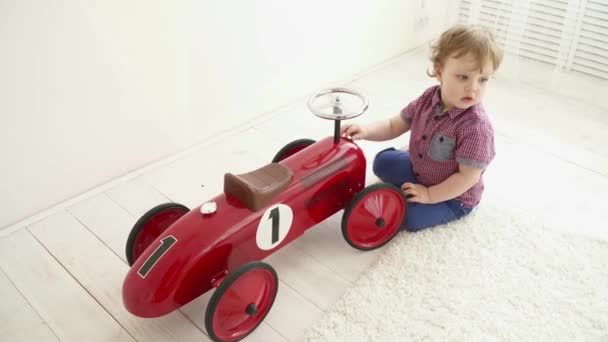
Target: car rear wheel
(150,226)
(241,302)
(292,148)
(374,216)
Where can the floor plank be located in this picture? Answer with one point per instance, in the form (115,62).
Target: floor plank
(20,322)
(69,310)
(548,187)
(307,276)
(292,314)
(326,244)
(199,175)
(77,250)
(110,222)
(137,196)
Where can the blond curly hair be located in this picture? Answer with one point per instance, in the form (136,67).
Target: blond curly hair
(465,39)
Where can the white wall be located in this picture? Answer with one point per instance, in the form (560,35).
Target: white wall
(91,90)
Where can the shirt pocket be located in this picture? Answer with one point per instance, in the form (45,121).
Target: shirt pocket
(442,147)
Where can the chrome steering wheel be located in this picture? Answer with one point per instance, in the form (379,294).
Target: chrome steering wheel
(337,104)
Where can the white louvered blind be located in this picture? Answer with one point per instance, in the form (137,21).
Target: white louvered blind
(572,34)
(591,52)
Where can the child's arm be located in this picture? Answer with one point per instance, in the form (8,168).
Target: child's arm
(455,185)
(377,131)
(452,187)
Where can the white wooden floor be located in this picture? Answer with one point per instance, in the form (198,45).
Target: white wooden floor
(61,275)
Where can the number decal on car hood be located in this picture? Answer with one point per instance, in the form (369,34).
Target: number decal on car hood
(274,226)
(165,244)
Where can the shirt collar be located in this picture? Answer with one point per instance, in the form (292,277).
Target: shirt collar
(452,113)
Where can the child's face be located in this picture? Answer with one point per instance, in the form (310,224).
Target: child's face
(462,82)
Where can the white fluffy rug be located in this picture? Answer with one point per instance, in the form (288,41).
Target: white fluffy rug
(489,276)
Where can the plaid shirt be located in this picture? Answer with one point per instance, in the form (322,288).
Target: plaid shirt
(440,140)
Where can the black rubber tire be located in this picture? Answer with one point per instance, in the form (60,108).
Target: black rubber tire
(142,221)
(357,198)
(287,148)
(225,285)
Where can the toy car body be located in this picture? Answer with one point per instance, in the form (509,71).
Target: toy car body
(179,254)
(206,247)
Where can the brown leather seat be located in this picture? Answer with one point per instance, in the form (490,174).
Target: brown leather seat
(256,188)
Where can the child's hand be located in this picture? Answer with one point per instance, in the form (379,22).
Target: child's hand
(354,131)
(416,193)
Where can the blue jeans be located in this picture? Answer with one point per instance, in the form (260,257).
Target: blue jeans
(395,167)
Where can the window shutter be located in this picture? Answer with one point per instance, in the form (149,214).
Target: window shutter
(591,52)
(464,11)
(572,34)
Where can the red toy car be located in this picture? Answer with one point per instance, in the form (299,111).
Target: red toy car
(177,254)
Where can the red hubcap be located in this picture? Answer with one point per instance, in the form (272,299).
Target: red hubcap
(152,229)
(244,304)
(375,218)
